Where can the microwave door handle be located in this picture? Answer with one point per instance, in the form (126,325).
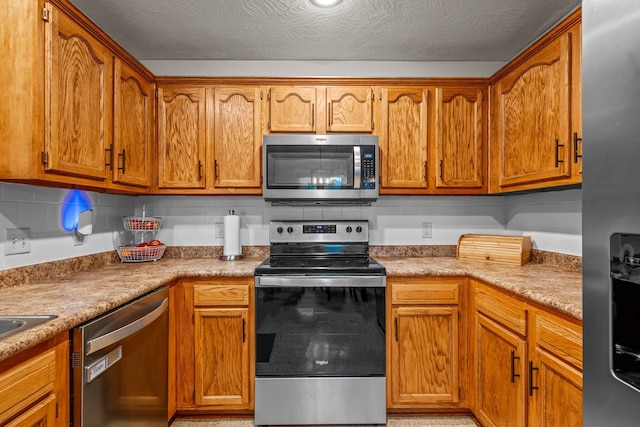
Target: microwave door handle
(357,165)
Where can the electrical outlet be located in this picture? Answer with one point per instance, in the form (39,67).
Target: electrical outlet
(426,230)
(18,241)
(219,230)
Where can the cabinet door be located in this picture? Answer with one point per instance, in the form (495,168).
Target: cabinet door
(238,137)
(350,109)
(500,368)
(424,355)
(576,101)
(181,137)
(132,127)
(403,137)
(292,109)
(532,110)
(556,392)
(222,357)
(42,414)
(78,101)
(459,137)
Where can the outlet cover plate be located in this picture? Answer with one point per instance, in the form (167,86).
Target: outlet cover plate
(18,241)
(426,230)
(219,230)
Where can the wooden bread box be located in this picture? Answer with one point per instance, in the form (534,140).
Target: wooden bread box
(497,248)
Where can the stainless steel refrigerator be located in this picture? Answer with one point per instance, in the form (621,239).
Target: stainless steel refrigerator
(611,212)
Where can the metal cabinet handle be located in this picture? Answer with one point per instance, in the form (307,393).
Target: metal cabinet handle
(130,329)
(426,171)
(123,155)
(199,170)
(329,113)
(576,140)
(558,145)
(244,335)
(531,386)
(110,151)
(313,115)
(513,366)
(396,322)
(441,170)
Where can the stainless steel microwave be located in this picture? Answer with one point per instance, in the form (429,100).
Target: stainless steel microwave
(320,169)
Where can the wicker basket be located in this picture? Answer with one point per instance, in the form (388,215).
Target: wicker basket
(140,254)
(142,223)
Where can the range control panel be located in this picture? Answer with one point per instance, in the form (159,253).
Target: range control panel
(319,231)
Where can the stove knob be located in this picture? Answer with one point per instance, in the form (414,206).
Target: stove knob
(349,229)
(359,229)
(279,230)
(289,230)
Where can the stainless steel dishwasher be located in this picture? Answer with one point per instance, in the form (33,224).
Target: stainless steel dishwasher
(119,365)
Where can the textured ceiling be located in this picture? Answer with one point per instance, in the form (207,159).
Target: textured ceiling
(356,30)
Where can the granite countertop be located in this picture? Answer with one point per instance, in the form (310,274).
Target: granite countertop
(79,297)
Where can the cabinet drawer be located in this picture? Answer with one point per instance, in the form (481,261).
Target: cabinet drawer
(502,308)
(28,382)
(221,295)
(425,293)
(560,337)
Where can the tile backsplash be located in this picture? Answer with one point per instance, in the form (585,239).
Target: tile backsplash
(553,219)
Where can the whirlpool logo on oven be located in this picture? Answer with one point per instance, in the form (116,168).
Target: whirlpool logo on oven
(322,362)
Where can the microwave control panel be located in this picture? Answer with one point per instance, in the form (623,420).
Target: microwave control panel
(368,165)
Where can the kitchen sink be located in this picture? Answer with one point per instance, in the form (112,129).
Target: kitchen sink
(10,325)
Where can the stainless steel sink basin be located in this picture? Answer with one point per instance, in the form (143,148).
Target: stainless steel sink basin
(10,325)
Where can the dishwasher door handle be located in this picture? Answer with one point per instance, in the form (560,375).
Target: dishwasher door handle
(122,333)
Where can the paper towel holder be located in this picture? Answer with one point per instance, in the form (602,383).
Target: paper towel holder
(235,256)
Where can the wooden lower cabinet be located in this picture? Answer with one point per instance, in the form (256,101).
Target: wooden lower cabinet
(215,367)
(423,343)
(555,389)
(34,386)
(222,357)
(555,392)
(527,363)
(500,364)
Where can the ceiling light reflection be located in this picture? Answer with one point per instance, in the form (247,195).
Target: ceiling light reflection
(326,3)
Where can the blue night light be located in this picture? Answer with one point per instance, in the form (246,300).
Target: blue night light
(74,202)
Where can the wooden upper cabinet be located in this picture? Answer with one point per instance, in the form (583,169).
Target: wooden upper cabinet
(78,99)
(130,155)
(459,137)
(292,109)
(350,109)
(576,101)
(535,113)
(403,138)
(182,128)
(237,137)
(320,109)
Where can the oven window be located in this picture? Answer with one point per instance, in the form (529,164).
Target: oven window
(310,167)
(306,331)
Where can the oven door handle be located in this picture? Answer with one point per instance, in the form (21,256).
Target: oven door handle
(321,281)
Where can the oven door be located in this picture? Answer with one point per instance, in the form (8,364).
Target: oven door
(320,326)
(320,350)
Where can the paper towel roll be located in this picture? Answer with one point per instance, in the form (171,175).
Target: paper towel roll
(232,235)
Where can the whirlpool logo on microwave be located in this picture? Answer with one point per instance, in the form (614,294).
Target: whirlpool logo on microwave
(322,362)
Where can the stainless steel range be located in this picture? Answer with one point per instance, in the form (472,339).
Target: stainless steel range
(320,326)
